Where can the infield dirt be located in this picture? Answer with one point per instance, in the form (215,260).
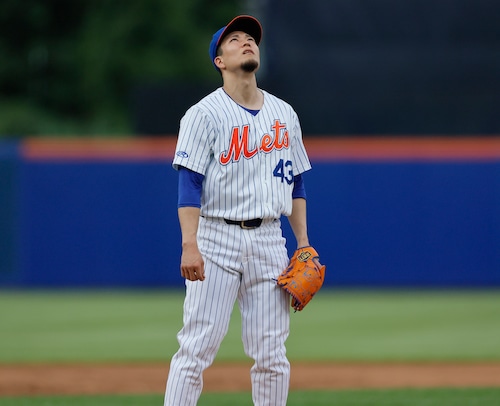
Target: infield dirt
(75,379)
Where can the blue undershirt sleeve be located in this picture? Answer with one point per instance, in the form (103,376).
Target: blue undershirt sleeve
(299,190)
(190,184)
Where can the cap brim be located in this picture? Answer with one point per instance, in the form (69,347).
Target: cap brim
(245,23)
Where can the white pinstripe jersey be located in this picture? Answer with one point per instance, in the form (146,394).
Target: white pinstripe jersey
(248,161)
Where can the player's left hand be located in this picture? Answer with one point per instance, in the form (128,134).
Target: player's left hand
(303,277)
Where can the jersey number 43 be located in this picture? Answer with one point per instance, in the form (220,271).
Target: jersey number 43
(284,171)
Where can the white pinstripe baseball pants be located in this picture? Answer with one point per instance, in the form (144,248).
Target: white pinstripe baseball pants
(239,265)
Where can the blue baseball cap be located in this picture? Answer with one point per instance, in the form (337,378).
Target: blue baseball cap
(245,23)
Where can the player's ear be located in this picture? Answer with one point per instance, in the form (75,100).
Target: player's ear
(219,62)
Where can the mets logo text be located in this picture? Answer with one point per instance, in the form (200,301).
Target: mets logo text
(239,143)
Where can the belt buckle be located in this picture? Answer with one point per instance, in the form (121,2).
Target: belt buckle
(245,227)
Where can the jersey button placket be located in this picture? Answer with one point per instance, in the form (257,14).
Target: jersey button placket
(263,168)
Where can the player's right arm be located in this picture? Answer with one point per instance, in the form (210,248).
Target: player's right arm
(192,266)
(189,203)
(191,159)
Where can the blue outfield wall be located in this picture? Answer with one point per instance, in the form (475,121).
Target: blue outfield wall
(407,224)
(80,222)
(104,224)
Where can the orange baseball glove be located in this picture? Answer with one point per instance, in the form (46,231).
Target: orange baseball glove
(303,277)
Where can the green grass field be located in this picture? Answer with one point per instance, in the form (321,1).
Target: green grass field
(137,326)
(427,397)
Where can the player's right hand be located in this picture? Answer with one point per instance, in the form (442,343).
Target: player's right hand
(192,265)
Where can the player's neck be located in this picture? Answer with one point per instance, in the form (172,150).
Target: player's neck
(244,92)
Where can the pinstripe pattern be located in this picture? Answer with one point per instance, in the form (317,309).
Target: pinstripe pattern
(239,265)
(247,188)
(248,162)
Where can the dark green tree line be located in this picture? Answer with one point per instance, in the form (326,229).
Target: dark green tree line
(69,66)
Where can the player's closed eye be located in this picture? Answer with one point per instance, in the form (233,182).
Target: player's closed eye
(237,38)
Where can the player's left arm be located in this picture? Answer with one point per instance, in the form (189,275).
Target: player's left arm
(298,217)
(298,221)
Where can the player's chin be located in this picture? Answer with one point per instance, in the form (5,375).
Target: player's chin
(250,65)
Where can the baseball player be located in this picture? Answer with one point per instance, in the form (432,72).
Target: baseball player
(240,157)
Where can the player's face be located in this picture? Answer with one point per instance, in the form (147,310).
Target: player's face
(239,50)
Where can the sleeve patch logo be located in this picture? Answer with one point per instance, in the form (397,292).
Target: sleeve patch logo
(182,154)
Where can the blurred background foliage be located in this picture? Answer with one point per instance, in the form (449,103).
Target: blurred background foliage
(348,67)
(67,67)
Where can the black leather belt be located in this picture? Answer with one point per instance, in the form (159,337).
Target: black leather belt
(245,224)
